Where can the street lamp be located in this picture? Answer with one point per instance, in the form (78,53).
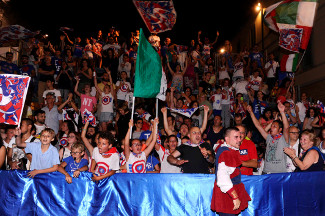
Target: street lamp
(259,9)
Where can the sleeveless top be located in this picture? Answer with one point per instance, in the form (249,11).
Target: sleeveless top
(136,164)
(316,166)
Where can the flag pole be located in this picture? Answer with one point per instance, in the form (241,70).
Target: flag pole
(300,61)
(132,113)
(157,112)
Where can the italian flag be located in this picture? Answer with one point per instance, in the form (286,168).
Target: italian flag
(292,14)
(289,62)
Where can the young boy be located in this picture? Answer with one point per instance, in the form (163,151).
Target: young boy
(216,101)
(135,158)
(45,156)
(105,158)
(107,97)
(75,163)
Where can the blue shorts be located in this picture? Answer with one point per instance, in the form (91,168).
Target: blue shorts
(106,117)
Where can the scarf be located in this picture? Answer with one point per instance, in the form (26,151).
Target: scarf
(189,143)
(110,152)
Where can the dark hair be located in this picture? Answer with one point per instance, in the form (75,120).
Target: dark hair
(170,136)
(267,109)
(108,136)
(39,111)
(280,123)
(238,115)
(228,130)
(28,121)
(308,112)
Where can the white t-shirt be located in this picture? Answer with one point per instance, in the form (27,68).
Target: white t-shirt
(107,102)
(290,166)
(271,72)
(240,86)
(216,101)
(136,164)
(255,82)
(223,73)
(125,66)
(56,92)
(104,165)
(166,167)
(302,111)
(239,69)
(123,90)
(39,128)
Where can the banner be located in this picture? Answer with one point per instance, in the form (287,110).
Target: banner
(155,194)
(15,32)
(13,91)
(159,16)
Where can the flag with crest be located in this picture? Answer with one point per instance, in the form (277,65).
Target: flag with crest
(13,91)
(159,16)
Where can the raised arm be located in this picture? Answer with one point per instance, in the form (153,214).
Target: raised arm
(85,140)
(285,131)
(154,138)
(76,88)
(167,129)
(127,141)
(205,119)
(96,84)
(111,82)
(257,123)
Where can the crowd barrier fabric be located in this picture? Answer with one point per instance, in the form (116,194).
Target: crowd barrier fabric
(155,194)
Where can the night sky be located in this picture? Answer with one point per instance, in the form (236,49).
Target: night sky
(88,17)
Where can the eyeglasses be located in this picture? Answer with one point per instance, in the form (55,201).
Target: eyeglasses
(75,152)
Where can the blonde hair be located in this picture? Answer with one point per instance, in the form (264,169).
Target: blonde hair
(311,135)
(78,145)
(48,130)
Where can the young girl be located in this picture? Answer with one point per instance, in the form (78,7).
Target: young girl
(66,127)
(72,138)
(178,74)
(74,163)
(107,102)
(87,101)
(135,158)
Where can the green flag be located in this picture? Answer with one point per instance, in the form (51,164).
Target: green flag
(148,70)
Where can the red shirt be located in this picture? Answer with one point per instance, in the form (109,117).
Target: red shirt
(247,152)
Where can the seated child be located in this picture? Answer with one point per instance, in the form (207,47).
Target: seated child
(45,156)
(135,158)
(105,157)
(74,163)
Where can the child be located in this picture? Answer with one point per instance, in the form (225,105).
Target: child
(45,156)
(107,97)
(74,163)
(216,101)
(65,151)
(135,158)
(137,132)
(105,158)
(87,101)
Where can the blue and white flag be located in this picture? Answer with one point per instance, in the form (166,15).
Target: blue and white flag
(89,117)
(185,112)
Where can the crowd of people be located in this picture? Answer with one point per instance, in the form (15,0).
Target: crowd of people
(246,90)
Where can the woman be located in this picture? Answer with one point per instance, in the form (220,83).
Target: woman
(64,80)
(240,106)
(311,159)
(223,70)
(310,116)
(266,118)
(196,117)
(66,127)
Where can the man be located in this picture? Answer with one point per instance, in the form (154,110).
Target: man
(229,195)
(301,109)
(18,162)
(26,69)
(204,101)
(294,144)
(8,67)
(39,121)
(53,117)
(56,92)
(248,153)
(205,86)
(238,119)
(196,154)
(270,69)
(276,141)
(46,71)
